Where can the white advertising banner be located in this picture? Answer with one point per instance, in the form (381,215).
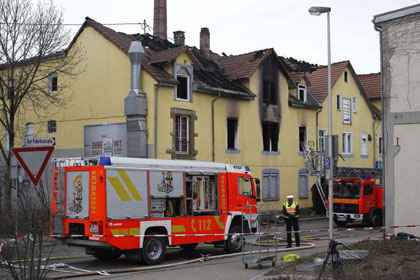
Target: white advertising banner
(126,193)
(77,194)
(166,184)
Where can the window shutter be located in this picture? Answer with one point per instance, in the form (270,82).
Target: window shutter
(338,102)
(303,183)
(270,184)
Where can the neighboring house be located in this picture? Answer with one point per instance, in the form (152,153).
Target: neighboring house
(400,45)
(354,120)
(372,86)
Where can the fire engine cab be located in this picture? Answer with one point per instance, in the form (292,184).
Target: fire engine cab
(357,200)
(128,205)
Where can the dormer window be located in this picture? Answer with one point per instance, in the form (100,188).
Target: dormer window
(184,77)
(183,89)
(302,93)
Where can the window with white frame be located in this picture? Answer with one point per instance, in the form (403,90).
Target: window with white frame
(302,93)
(346,108)
(182,137)
(364,151)
(52,82)
(322,140)
(347,143)
(354,104)
(183,91)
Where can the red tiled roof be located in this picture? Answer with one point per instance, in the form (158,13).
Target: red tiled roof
(371,84)
(244,65)
(319,81)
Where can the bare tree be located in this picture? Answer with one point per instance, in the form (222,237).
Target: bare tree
(33,52)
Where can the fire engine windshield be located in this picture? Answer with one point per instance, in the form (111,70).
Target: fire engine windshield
(346,190)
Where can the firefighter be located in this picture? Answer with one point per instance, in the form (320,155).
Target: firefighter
(291,215)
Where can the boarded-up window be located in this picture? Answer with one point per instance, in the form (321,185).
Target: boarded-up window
(303,183)
(270,184)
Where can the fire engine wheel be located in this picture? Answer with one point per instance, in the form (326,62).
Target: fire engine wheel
(153,251)
(234,242)
(376,219)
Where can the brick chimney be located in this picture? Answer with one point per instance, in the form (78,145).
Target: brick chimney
(205,40)
(160,20)
(179,38)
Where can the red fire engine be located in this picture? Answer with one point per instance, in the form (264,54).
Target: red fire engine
(358,200)
(126,205)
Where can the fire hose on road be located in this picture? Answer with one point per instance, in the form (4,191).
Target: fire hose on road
(86,273)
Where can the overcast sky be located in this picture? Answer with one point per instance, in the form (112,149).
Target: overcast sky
(239,26)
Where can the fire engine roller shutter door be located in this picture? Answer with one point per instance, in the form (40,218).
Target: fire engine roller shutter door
(77,194)
(126,193)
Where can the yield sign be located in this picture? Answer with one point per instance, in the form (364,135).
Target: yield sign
(33,160)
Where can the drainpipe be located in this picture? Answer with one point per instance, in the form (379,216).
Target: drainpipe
(213,152)
(317,129)
(374,141)
(155,130)
(384,140)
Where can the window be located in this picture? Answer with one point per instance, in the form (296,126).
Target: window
(5,141)
(380,144)
(353,104)
(52,126)
(52,82)
(270,184)
(269,92)
(302,139)
(368,190)
(364,145)
(270,136)
(11,88)
(345,76)
(303,183)
(338,102)
(346,108)
(347,143)
(322,136)
(182,124)
(245,187)
(204,193)
(232,134)
(302,93)
(183,88)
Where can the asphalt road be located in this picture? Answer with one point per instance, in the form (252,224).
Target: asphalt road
(227,268)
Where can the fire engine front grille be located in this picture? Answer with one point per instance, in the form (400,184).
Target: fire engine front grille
(76,229)
(346,208)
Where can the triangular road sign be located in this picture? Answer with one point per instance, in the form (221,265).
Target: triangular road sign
(34,160)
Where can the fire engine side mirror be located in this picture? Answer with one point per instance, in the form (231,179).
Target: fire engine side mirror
(258,189)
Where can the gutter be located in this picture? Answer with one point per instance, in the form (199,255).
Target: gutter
(155,117)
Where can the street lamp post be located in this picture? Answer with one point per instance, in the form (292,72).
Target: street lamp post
(316,11)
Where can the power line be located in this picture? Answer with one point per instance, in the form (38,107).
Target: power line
(78,24)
